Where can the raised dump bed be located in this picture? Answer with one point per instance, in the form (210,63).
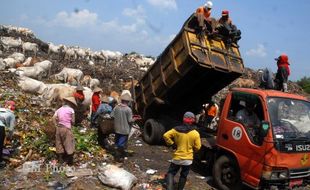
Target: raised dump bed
(187,74)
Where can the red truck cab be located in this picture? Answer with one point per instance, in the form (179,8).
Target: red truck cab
(273,154)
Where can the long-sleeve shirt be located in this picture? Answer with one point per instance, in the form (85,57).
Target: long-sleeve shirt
(104,108)
(95,102)
(187,140)
(7,119)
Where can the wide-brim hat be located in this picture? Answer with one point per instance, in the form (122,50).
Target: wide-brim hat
(126,97)
(70,100)
(97,89)
(80,88)
(104,99)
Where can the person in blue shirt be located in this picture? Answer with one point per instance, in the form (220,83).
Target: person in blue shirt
(103,113)
(7,120)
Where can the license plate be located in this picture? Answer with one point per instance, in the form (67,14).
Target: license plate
(295,182)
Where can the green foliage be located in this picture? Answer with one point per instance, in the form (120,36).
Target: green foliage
(86,141)
(305,84)
(39,141)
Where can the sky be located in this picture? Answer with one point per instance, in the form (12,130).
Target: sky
(269,27)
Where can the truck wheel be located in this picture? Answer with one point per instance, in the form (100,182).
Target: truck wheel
(226,174)
(153,132)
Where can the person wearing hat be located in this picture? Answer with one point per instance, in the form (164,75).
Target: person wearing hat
(185,140)
(79,98)
(203,14)
(283,73)
(123,119)
(227,28)
(103,113)
(64,119)
(95,100)
(7,121)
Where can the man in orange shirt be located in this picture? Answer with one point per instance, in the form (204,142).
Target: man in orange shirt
(211,112)
(203,14)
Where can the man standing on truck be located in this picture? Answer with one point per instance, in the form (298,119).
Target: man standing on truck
(282,73)
(185,139)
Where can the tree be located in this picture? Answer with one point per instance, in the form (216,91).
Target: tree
(305,84)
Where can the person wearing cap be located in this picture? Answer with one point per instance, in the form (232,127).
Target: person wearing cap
(225,18)
(123,119)
(185,140)
(7,121)
(203,14)
(95,104)
(79,98)
(226,28)
(283,72)
(103,113)
(64,119)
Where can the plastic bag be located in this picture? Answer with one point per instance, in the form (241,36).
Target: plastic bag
(134,131)
(114,176)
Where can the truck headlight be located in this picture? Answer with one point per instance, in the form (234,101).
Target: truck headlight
(270,173)
(283,175)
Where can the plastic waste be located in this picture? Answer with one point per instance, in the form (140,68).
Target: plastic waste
(114,176)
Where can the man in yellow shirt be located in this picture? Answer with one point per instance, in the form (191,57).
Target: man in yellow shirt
(185,139)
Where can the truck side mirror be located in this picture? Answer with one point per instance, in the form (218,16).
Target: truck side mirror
(264,128)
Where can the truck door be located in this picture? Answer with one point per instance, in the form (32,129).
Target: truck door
(239,134)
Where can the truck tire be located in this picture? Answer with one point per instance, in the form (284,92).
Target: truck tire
(153,132)
(226,173)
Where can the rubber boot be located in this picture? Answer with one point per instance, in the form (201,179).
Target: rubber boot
(284,87)
(70,159)
(170,182)
(60,157)
(181,184)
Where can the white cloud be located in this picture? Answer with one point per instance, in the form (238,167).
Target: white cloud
(259,51)
(137,14)
(164,4)
(75,19)
(132,32)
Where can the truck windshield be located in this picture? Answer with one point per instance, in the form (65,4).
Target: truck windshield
(290,118)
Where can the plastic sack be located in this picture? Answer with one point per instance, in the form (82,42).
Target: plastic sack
(114,176)
(134,131)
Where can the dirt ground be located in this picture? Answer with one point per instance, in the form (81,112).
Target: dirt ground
(145,157)
(148,163)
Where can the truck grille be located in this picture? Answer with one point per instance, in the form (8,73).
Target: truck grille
(299,173)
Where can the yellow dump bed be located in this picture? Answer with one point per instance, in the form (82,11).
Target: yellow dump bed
(187,73)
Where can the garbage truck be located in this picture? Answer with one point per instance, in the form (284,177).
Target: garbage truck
(185,75)
(271,155)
